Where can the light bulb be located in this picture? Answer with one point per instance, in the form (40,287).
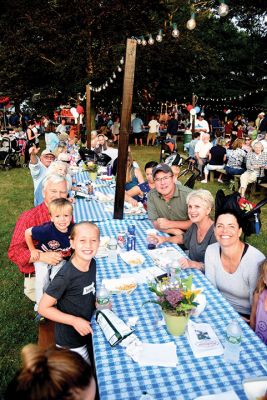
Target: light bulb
(175,32)
(139,41)
(223,10)
(119,69)
(191,23)
(143,41)
(122,60)
(110,80)
(151,40)
(159,36)
(114,75)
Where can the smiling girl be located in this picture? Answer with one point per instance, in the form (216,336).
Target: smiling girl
(73,292)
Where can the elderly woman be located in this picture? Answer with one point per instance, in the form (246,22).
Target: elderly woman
(200,234)
(256,163)
(232,265)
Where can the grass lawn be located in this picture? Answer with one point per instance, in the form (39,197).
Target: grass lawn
(17,326)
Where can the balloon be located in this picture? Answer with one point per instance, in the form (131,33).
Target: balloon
(80,109)
(197,109)
(193,111)
(74,112)
(189,107)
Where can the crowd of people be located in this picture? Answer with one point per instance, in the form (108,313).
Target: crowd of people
(56,256)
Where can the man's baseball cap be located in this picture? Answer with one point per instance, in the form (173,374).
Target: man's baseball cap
(47,152)
(161,167)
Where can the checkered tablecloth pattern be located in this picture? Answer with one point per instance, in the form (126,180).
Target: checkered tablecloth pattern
(93,210)
(119,377)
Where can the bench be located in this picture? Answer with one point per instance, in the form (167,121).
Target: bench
(222,171)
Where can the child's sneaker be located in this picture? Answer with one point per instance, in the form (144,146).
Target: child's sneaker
(220,180)
(204,181)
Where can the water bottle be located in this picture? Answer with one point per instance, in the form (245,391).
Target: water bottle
(131,238)
(112,251)
(102,298)
(232,345)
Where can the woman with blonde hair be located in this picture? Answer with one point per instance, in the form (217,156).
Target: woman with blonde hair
(200,234)
(236,158)
(52,374)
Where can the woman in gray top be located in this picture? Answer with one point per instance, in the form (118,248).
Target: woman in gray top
(200,234)
(232,265)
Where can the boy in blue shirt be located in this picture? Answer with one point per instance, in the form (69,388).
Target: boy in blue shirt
(51,236)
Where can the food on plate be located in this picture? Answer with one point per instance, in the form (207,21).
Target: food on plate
(127,286)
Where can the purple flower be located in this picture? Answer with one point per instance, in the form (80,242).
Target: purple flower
(173,296)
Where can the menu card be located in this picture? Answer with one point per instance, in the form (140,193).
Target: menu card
(203,340)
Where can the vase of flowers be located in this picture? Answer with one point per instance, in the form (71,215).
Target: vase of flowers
(176,299)
(92,168)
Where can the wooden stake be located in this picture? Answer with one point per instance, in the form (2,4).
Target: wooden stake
(193,116)
(127,98)
(78,121)
(88,117)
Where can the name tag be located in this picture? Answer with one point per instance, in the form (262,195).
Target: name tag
(89,289)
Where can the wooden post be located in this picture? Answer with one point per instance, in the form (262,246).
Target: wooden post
(88,117)
(193,116)
(78,121)
(126,110)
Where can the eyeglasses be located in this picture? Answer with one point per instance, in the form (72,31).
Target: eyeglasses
(164,178)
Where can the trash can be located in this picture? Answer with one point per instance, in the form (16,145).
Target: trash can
(187,137)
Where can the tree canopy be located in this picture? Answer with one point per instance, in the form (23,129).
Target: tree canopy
(52,49)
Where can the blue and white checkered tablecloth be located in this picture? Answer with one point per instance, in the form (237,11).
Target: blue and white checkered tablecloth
(119,377)
(93,210)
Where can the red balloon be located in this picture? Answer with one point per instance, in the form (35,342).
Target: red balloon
(80,109)
(189,107)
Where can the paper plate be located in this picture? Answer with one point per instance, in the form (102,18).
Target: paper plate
(132,258)
(255,388)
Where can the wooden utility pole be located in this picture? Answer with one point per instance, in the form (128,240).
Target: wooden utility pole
(126,110)
(193,116)
(78,121)
(88,117)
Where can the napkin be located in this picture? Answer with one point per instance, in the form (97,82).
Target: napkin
(158,354)
(103,198)
(229,395)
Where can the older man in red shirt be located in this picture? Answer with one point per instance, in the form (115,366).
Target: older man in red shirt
(54,187)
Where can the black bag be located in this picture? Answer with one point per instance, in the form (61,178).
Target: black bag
(250,220)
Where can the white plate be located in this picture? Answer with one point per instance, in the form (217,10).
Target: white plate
(120,285)
(132,258)
(255,388)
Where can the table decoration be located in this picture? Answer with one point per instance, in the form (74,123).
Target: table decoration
(176,299)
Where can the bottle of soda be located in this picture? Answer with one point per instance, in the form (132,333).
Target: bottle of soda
(102,298)
(112,251)
(131,238)
(232,345)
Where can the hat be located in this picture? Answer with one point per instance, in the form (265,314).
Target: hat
(46,152)
(262,113)
(161,167)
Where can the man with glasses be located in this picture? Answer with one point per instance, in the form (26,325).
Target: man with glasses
(166,203)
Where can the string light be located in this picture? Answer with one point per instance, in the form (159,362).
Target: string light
(119,69)
(159,36)
(122,60)
(114,75)
(151,40)
(223,9)
(143,41)
(175,32)
(139,41)
(191,23)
